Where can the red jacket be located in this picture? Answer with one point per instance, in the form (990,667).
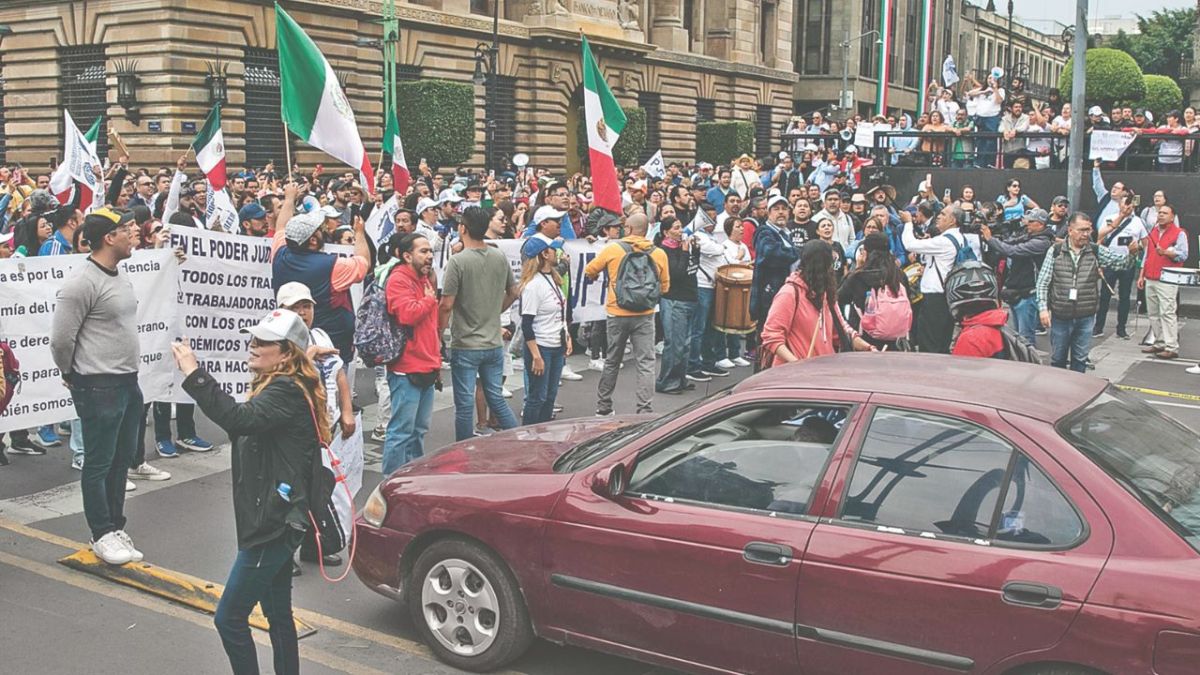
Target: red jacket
(410,305)
(980,334)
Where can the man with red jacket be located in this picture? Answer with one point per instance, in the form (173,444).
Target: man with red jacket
(412,302)
(1165,246)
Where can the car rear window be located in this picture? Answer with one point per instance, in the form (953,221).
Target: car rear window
(1151,455)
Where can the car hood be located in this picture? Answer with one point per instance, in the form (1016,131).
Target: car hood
(531,449)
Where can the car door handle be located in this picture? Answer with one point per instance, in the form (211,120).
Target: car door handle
(1032,594)
(763,553)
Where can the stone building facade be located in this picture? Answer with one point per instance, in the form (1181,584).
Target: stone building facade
(682,60)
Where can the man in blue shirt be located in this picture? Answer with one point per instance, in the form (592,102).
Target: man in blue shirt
(716,194)
(66,221)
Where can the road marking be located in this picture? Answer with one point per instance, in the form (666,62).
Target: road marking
(1158,392)
(137,599)
(1175,405)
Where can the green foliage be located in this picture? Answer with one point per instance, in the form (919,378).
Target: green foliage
(1162,94)
(437,121)
(720,142)
(1163,40)
(1112,75)
(630,146)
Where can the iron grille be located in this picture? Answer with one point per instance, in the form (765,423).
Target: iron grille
(706,110)
(763,130)
(82,89)
(265,140)
(651,102)
(501,109)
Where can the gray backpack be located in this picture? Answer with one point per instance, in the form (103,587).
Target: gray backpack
(638,287)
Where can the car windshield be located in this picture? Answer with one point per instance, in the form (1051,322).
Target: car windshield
(593,450)
(1152,455)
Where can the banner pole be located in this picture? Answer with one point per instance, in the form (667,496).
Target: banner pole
(287,149)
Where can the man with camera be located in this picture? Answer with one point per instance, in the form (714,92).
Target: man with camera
(940,252)
(1025,253)
(1116,235)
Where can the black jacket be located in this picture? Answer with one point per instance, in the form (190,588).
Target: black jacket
(683,267)
(274,441)
(1025,254)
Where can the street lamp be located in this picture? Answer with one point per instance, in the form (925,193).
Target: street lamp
(486,64)
(847,100)
(1008,54)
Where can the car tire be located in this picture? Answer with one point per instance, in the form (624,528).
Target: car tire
(467,606)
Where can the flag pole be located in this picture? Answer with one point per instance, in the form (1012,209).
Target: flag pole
(287,149)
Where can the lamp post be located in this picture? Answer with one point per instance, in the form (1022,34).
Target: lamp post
(1008,53)
(846,99)
(486,63)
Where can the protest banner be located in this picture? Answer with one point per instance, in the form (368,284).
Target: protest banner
(587,295)
(864,135)
(1108,146)
(28,294)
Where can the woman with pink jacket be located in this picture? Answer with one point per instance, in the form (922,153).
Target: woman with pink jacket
(803,321)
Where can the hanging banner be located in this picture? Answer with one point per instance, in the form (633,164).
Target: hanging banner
(1108,146)
(28,294)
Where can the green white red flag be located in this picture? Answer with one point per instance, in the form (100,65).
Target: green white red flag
(313,104)
(401,178)
(209,146)
(604,121)
(75,173)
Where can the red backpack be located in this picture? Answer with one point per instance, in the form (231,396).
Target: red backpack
(12,374)
(887,316)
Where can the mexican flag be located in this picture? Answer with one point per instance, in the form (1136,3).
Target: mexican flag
(392,145)
(209,146)
(74,173)
(605,122)
(314,107)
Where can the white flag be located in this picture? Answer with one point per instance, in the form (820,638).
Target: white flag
(220,210)
(382,222)
(655,166)
(949,71)
(79,158)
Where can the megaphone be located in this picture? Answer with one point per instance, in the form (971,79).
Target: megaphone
(846,134)
(520,160)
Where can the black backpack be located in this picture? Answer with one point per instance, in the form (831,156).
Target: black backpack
(1016,348)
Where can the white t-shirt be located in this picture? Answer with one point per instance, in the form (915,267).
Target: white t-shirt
(948,109)
(1136,229)
(736,252)
(544,301)
(328,367)
(986,105)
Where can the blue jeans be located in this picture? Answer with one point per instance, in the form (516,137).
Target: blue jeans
(1025,316)
(986,146)
(1071,337)
(110,418)
(541,390)
(412,410)
(466,365)
(677,319)
(703,348)
(260,575)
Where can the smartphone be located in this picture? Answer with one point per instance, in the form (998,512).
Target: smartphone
(946,196)
(1125,241)
(53,162)
(1137,200)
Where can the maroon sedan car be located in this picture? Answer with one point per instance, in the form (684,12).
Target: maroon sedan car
(852,514)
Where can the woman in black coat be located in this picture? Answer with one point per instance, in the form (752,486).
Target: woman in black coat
(277,435)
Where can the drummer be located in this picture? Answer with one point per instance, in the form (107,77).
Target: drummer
(1166,246)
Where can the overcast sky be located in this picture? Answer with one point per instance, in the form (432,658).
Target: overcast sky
(1064,10)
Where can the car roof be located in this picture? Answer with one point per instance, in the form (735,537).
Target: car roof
(1035,391)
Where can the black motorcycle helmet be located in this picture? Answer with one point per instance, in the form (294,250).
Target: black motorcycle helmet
(971,288)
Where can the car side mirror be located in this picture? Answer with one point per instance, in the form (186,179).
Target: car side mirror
(611,485)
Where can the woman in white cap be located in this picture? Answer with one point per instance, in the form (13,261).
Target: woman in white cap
(277,434)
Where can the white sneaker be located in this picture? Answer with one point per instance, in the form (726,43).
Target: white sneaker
(596,364)
(135,555)
(380,433)
(111,549)
(570,375)
(659,347)
(129,487)
(147,472)
(77,463)
(726,364)
(504,391)
(741,363)
(1195,370)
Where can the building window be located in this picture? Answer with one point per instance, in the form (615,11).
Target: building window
(651,102)
(948,32)
(892,74)
(84,94)
(764,131)
(706,110)
(501,108)
(481,7)
(980,54)
(868,55)
(265,138)
(766,33)
(912,28)
(812,37)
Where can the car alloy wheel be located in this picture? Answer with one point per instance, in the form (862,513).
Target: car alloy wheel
(460,607)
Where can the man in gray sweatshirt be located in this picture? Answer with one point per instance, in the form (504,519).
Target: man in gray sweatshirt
(94,342)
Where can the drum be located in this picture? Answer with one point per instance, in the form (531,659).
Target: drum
(731,303)
(1180,276)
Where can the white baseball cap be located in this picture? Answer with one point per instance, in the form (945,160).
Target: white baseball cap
(449,196)
(852,148)
(329,211)
(5,238)
(280,325)
(291,293)
(547,212)
(425,204)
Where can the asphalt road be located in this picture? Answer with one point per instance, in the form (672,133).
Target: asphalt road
(65,620)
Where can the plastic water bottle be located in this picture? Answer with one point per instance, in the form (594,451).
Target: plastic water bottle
(285,491)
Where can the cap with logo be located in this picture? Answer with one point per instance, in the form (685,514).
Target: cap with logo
(449,196)
(1095,110)
(539,242)
(281,325)
(547,213)
(99,223)
(425,204)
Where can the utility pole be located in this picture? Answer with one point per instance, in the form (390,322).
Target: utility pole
(1078,106)
(846,99)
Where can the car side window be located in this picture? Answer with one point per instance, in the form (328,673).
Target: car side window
(769,458)
(929,473)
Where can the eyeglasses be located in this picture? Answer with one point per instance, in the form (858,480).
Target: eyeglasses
(255,342)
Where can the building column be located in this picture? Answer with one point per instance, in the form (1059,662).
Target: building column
(667,30)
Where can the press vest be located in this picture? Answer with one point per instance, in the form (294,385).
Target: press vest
(1083,276)
(333,311)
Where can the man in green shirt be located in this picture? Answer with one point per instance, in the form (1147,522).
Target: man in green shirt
(477,286)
